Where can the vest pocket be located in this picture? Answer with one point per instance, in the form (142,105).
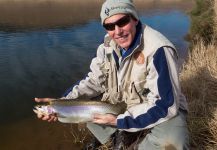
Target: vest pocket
(134,96)
(140,90)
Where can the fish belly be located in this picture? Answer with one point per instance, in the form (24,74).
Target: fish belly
(78,114)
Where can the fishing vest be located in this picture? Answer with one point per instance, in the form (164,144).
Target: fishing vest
(128,82)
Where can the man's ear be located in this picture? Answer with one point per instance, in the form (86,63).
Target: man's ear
(134,19)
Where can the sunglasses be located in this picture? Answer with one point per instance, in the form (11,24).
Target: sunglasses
(120,23)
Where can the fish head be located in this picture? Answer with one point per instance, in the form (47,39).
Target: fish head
(44,110)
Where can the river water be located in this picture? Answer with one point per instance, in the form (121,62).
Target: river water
(46,47)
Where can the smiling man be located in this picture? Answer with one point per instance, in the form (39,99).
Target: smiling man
(138,65)
(122,29)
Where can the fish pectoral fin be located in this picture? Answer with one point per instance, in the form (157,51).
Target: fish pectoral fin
(66,120)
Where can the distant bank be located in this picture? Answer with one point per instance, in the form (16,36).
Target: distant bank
(53,13)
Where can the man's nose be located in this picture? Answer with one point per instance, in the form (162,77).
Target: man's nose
(117,29)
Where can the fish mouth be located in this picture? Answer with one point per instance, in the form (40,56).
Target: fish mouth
(44,110)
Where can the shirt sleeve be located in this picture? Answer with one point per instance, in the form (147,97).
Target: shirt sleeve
(162,100)
(91,85)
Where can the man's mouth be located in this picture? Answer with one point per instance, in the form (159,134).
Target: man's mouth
(122,38)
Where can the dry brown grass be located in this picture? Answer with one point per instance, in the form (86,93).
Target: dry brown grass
(199,83)
(215,8)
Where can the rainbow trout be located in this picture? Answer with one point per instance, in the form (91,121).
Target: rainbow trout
(78,111)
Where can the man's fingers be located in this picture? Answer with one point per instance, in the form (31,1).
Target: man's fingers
(98,121)
(48,118)
(39,115)
(55,119)
(105,119)
(97,116)
(45,117)
(52,118)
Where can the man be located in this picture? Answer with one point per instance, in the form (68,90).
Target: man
(138,65)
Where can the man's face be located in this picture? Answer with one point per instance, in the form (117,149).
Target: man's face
(124,29)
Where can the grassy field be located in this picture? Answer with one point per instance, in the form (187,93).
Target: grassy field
(199,83)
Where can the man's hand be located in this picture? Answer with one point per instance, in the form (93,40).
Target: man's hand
(49,118)
(107,119)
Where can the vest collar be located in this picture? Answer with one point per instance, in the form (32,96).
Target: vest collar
(136,42)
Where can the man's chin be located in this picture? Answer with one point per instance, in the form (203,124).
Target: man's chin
(124,45)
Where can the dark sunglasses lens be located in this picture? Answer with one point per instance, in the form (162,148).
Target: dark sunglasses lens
(109,26)
(121,23)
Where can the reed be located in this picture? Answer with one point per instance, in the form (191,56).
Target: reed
(199,84)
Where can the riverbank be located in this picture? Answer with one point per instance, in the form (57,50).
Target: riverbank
(199,83)
(21,14)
